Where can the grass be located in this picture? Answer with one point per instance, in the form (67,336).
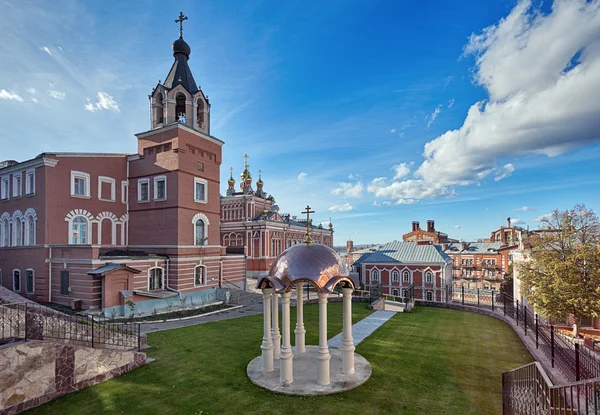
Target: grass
(430,361)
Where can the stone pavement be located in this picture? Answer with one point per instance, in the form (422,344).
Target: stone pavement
(363,328)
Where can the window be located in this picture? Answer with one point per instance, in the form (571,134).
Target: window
(429,296)
(80,184)
(200,186)
(428,277)
(30,182)
(79,230)
(17,185)
(64,282)
(200,113)
(200,165)
(395,276)
(106,188)
(159,109)
(5,189)
(17,232)
(180,108)
(200,275)
(406,276)
(124,192)
(375,275)
(395,293)
(5,232)
(29,283)
(30,230)
(155,279)
(160,188)
(143,191)
(199,229)
(16,280)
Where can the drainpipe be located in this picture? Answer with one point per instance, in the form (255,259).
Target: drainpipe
(50,276)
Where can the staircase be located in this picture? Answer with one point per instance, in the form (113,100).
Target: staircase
(251,300)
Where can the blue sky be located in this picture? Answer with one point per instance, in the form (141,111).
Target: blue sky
(375,113)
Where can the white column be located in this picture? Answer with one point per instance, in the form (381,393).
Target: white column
(300,331)
(347,341)
(275,334)
(267,343)
(286,376)
(323,355)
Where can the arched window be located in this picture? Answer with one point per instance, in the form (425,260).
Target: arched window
(18,232)
(16,280)
(395,293)
(5,232)
(30,230)
(428,277)
(155,279)
(79,230)
(159,108)
(375,275)
(199,228)
(395,276)
(200,275)
(180,113)
(406,276)
(200,113)
(429,296)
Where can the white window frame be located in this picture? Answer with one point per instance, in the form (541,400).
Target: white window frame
(113,191)
(80,175)
(29,173)
(13,280)
(17,185)
(17,235)
(29,229)
(395,290)
(205,183)
(427,293)
(32,281)
(205,276)
(162,277)
(428,275)
(374,275)
(139,185)
(124,192)
(395,276)
(87,231)
(404,273)
(5,188)
(156,180)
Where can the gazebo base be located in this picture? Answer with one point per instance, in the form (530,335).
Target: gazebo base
(305,374)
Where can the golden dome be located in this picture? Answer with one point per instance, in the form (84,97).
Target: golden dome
(231,181)
(259,183)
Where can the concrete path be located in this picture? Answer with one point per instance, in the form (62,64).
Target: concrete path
(363,328)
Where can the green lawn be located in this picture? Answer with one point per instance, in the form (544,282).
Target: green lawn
(429,361)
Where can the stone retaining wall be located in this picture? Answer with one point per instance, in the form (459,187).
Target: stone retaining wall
(33,373)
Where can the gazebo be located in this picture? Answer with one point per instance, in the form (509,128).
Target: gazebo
(336,371)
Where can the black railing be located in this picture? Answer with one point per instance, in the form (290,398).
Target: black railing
(31,321)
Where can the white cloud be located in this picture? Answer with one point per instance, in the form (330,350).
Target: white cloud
(341,208)
(408,189)
(542,217)
(386,203)
(32,91)
(301,177)
(57,95)
(516,222)
(506,171)
(393,130)
(376,203)
(349,189)
(11,96)
(402,170)
(34,100)
(354,176)
(458,227)
(405,201)
(103,102)
(46,49)
(433,115)
(524,209)
(451,103)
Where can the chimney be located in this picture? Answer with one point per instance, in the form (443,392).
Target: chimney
(430,226)
(445,247)
(508,222)
(464,246)
(349,246)
(415,225)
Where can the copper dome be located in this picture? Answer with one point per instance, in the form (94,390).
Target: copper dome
(315,264)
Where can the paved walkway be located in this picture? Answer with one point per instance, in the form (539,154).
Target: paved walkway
(363,328)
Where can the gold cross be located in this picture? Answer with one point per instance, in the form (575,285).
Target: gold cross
(246,161)
(259,173)
(181,19)
(231,172)
(307,211)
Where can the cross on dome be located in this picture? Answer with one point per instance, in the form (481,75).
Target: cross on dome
(181,19)
(307,211)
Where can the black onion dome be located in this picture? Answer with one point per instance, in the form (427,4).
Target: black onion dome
(181,46)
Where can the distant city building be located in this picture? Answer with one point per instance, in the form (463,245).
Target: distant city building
(397,265)
(353,253)
(430,235)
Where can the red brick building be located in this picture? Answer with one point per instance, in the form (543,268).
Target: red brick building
(97,227)
(251,219)
(430,234)
(397,265)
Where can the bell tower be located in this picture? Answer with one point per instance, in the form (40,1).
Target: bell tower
(179,99)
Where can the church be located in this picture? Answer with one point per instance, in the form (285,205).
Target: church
(102,231)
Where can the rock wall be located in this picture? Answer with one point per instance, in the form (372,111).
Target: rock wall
(33,373)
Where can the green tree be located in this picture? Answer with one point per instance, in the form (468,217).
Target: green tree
(506,288)
(561,273)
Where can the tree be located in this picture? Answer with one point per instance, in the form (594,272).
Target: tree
(561,273)
(506,288)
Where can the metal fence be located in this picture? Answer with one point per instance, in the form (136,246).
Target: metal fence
(30,321)
(528,390)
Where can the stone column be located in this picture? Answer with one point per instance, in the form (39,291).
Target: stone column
(267,343)
(347,341)
(300,331)
(286,357)
(275,334)
(323,355)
